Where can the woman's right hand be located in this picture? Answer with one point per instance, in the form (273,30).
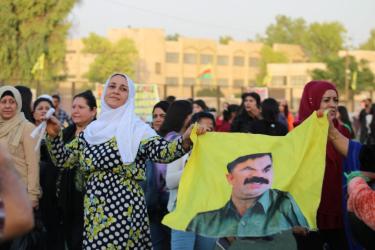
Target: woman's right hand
(53,127)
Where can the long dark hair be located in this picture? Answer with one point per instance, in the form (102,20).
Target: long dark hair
(232,108)
(163,105)
(26,97)
(286,110)
(344,116)
(270,110)
(176,116)
(371,139)
(201,104)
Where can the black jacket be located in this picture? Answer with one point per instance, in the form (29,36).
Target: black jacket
(242,123)
(268,128)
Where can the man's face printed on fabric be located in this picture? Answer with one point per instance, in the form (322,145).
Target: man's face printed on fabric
(251,178)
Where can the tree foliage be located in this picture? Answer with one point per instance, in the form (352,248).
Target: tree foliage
(319,40)
(324,40)
(225,40)
(268,55)
(359,75)
(285,30)
(370,43)
(29,29)
(173,37)
(110,57)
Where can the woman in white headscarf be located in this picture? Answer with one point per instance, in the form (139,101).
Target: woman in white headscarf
(15,136)
(112,152)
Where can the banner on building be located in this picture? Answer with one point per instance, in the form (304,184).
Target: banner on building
(146,96)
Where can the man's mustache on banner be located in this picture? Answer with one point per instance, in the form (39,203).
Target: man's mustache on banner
(256,179)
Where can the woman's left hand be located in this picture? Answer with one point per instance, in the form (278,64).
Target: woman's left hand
(186,141)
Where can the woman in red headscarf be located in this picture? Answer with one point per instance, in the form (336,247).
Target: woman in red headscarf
(323,95)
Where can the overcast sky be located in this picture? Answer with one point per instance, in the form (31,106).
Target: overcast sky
(241,19)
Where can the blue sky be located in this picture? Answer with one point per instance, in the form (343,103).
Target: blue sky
(241,19)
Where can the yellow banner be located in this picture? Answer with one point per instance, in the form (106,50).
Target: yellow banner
(298,164)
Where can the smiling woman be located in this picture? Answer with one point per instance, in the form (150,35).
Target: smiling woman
(112,152)
(117,92)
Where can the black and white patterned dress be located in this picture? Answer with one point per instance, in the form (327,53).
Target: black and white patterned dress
(114,207)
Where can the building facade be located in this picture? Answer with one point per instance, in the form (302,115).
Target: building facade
(185,66)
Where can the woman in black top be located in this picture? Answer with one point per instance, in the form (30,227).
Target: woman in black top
(70,193)
(269,124)
(249,111)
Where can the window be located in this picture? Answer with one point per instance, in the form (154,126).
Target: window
(238,61)
(222,60)
(190,58)
(298,80)
(171,81)
(158,68)
(189,81)
(253,62)
(206,59)
(278,80)
(238,82)
(171,57)
(252,82)
(222,82)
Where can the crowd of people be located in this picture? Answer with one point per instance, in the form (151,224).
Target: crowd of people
(106,181)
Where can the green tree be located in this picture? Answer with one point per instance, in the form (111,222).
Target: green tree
(118,57)
(360,77)
(268,55)
(319,40)
(285,30)
(173,37)
(225,39)
(29,29)
(370,44)
(324,40)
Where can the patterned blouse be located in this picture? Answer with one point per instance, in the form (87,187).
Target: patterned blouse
(115,215)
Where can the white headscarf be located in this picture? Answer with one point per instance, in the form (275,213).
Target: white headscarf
(121,123)
(45,96)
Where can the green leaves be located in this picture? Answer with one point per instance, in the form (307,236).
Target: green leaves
(118,57)
(323,40)
(319,40)
(370,44)
(268,55)
(27,30)
(357,73)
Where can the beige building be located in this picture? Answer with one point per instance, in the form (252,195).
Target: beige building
(288,80)
(367,55)
(176,66)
